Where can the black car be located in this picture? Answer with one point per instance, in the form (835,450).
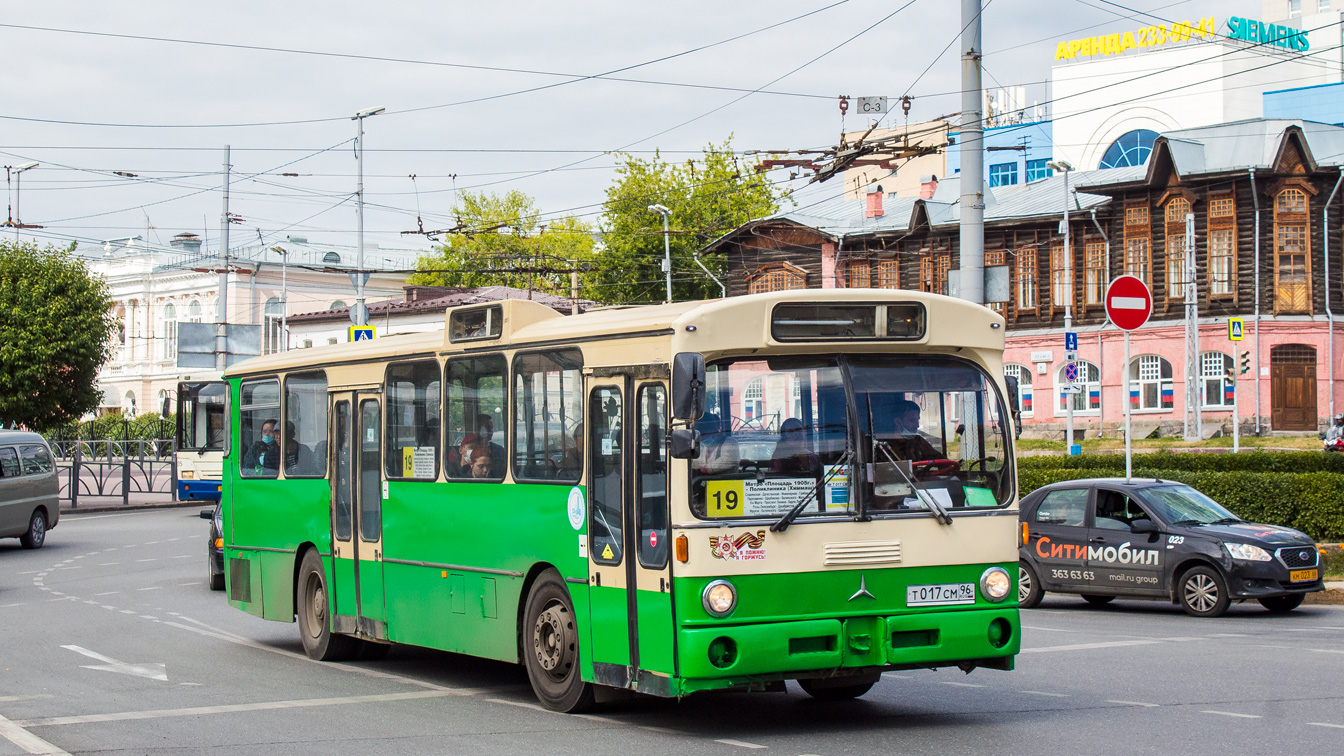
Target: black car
(1105,537)
(214,560)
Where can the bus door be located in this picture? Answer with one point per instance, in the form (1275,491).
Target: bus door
(357,508)
(630,589)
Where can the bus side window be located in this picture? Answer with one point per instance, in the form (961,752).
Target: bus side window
(606,480)
(652,476)
(258,431)
(413,432)
(477,425)
(305,439)
(548,410)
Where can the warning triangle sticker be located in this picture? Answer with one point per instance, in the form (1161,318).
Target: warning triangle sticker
(606,552)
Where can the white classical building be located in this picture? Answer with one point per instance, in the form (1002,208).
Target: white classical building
(157,288)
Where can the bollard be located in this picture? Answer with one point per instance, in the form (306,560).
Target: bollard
(74,475)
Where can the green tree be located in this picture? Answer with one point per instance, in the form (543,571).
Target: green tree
(497,235)
(707,198)
(56,327)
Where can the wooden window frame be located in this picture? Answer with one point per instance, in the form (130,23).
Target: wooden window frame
(776,277)
(858,275)
(1220,222)
(1173,260)
(1284,220)
(1059,263)
(889,274)
(1138,229)
(1094,262)
(995,258)
(1026,261)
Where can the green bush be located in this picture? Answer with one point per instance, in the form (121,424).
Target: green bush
(1252,461)
(1312,502)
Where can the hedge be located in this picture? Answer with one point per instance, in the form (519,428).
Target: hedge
(1255,461)
(1312,502)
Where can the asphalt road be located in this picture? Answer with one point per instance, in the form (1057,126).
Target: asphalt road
(114,644)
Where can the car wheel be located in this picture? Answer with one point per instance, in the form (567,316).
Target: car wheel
(551,646)
(216,581)
(1096,600)
(1203,592)
(834,692)
(313,605)
(36,535)
(1029,591)
(1281,604)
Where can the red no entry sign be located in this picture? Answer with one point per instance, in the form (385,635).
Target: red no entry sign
(1128,302)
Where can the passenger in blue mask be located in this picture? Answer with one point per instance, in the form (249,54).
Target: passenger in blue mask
(263,457)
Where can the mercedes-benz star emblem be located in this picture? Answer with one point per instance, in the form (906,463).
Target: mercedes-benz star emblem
(863,589)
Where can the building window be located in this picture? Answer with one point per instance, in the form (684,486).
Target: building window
(194,312)
(1003,174)
(1094,289)
(1026,279)
(271,331)
(751,401)
(1215,380)
(1023,375)
(780,277)
(1292,269)
(338,305)
(889,274)
(995,258)
(858,275)
(169,331)
(933,273)
(1138,255)
(1150,383)
(331,258)
(1061,278)
(1222,246)
(1132,148)
(1177,209)
(1294,8)
(1088,396)
(1322,6)
(1038,169)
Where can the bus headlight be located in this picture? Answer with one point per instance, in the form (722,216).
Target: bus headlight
(995,584)
(719,598)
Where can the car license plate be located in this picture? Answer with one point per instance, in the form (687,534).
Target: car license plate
(940,595)
(1297,576)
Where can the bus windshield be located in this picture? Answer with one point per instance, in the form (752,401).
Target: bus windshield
(778,430)
(200,415)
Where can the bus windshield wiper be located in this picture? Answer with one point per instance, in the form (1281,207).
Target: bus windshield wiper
(935,508)
(783,523)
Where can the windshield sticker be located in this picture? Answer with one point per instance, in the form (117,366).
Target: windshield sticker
(575,509)
(837,488)
(743,548)
(1123,554)
(607,553)
(753,498)
(417,461)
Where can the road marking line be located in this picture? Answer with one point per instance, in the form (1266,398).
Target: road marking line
(128,611)
(1135,703)
(893,674)
(212,629)
(1043,693)
(151,588)
(106,593)
(29,572)
(6,606)
(108,564)
(152,559)
(29,742)
(27,697)
(1048,629)
(1233,714)
(1229,635)
(1326,724)
(184,556)
(1327,650)
(1266,645)
(738,743)
(962,685)
(230,708)
(73,518)
(1087,646)
(183,585)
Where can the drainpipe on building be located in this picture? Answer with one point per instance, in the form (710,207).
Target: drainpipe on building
(1329,314)
(1255,198)
(1101,356)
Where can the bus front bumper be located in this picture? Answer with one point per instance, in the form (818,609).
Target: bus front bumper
(729,655)
(191,490)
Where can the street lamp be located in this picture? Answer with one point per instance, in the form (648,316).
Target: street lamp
(284,296)
(14,172)
(1063,167)
(359,313)
(667,249)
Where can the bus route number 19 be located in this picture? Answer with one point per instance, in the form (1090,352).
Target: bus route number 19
(724,498)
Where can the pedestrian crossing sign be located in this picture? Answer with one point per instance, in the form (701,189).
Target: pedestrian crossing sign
(1235,328)
(362,333)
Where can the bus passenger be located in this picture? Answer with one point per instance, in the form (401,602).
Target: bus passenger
(571,462)
(718,449)
(263,456)
(485,430)
(298,459)
(476,461)
(792,452)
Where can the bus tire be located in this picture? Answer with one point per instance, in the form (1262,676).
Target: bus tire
(550,646)
(834,692)
(1029,591)
(314,604)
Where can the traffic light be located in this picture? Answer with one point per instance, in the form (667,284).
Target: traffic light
(1245,362)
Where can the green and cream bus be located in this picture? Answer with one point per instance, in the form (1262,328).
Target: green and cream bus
(804,485)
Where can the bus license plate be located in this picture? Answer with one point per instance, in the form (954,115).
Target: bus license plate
(940,595)
(1297,576)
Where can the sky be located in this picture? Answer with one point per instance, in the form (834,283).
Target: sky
(96,88)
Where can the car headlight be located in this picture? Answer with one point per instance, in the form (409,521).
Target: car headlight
(995,584)
(719,598)
(1247,552)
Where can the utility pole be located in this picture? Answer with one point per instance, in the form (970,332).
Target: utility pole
(360,313)
(1064,167)
(574,291)
(1190,289)
(221,341)
(972,227)
(667,247)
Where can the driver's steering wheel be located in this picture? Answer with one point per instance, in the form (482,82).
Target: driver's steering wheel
(935,467)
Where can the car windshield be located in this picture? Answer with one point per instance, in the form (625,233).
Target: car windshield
(1183,504)
(200,415)
(776,431)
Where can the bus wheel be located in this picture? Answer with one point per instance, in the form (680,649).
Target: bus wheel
(314,625)
(551,647)
(834,692)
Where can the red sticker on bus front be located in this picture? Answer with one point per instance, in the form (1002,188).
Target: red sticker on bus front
(653,538)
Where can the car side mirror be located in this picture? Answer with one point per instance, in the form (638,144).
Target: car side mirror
(685,443)
(688,386)
(207,514)
(1143,525)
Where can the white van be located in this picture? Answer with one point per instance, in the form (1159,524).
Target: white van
(28,488)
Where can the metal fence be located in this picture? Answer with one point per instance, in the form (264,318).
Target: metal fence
(116,458)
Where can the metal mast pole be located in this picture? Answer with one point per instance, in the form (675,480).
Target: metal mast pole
(360,312)
(972,227)
(1193,430)
(1068,310)
(221,341)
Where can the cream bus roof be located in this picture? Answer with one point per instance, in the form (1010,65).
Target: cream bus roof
(721,320)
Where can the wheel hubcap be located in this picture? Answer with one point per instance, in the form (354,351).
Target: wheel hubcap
(1023,585)
(317,606)
(39,529)
(553,641)
(1201,592)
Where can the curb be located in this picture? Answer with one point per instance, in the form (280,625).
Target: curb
(175,504)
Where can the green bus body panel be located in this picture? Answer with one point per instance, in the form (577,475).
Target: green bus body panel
(343,587)
(609,618)
(655,631)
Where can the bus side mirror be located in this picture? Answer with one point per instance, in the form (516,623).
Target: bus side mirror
(1012,393)
(685,443)
(688,386)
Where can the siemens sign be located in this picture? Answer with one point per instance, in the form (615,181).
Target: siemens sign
(1278,35)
